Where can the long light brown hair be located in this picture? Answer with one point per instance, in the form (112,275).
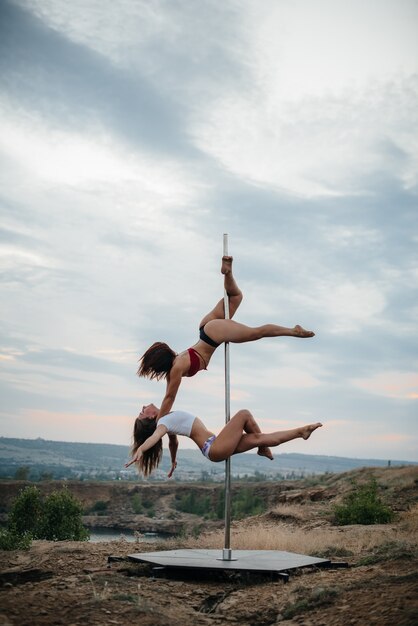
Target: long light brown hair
(144,428)
(157,361)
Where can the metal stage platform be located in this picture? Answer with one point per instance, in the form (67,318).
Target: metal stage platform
(261,561)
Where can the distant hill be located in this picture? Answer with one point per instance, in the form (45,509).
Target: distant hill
(61,459)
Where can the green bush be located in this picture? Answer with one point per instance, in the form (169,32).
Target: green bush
(151,512)
(26,512)
(56,518)
(43,476)
(137,505)
(100,507)
(362,506)
(11,540)
(243,504)
(246,504)
(192,502)
(22,473)
(142,505)
(61,518)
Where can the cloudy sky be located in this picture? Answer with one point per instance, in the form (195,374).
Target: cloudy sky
(134,133)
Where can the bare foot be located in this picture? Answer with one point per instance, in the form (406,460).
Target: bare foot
(226,267)
(301,332)
(308,430)
(264,451)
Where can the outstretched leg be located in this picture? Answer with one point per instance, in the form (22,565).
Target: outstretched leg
(249,442)
(221,330)
(233,291)
(232,440)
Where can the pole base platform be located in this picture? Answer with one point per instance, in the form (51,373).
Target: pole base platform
(241,560)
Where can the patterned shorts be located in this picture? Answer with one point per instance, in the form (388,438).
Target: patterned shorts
(206,446)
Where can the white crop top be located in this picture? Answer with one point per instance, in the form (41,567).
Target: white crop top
(178,422)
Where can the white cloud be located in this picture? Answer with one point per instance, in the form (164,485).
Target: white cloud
(12,256)
(298,125)
(342,236)
(112,29)
(320,113)
(302,49)
(314,147)
(76,158)
(351,306)
(391,384)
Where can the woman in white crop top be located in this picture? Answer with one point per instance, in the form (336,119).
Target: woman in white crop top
(241,434)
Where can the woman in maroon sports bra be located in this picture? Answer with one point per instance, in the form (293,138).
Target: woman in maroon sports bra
(160,361)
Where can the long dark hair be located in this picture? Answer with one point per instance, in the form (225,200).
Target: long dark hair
(157,361)
(144,428)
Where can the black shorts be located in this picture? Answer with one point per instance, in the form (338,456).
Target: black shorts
(204,337)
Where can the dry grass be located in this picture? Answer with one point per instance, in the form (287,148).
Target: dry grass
(398,478)
(354,539)
(291,511)
(408,523)
(305,528)
(390,477)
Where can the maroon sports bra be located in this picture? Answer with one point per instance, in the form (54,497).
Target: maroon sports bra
(194,362)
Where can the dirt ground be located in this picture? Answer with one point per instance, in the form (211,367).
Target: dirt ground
(72,583)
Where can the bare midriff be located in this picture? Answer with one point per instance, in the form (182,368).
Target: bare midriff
(205,352)
(199,432)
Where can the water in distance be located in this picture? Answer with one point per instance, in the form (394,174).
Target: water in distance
(114,534)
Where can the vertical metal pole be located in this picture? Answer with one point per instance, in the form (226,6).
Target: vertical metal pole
(226,553)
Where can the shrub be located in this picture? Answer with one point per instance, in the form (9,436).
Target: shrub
(57,518)
(243,504)
(137,504)
(192,502)
(22,473)
(11,540)
(100,507)
(61,518)
(43,476)
(246,504)
(26,512)
(362,506)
